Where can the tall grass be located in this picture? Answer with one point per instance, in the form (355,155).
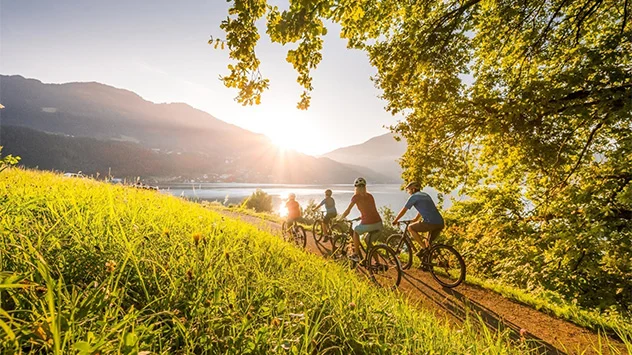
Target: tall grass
(91,268)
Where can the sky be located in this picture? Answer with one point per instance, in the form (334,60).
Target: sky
(159,50)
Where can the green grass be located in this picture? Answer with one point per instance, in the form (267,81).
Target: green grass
(266,216)
(92,268)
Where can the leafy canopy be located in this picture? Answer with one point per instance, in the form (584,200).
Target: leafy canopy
(524,103)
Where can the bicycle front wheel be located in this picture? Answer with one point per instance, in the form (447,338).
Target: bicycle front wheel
(300,237)
(384,266)
(339,246)
(317,231)
(446,265)
(284,232)
(401,246)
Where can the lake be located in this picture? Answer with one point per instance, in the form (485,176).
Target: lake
(385,194)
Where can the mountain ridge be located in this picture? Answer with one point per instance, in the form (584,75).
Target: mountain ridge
(377,153)
(102,112)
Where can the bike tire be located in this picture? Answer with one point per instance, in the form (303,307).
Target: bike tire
(284,233)
(300,237)
(339,244)
(402,248)
(440,267)
(386,271)
(317,230)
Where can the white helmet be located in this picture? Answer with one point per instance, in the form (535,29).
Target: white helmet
(359,182)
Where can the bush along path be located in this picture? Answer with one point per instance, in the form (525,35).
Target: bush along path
(91,268)
(543,333)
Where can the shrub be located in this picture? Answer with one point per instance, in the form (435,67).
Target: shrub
(7,161)
(259,201)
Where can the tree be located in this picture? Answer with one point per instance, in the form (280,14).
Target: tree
(525,103)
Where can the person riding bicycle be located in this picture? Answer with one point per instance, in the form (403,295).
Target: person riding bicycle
(432,220)
(293,210)
(370,219)
(330,212)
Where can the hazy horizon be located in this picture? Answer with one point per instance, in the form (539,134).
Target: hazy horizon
(160,52)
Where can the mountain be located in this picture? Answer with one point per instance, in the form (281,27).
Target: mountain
(94,128)
(379,153)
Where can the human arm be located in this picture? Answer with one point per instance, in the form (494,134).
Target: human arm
(400,215)
(348,210)
(319,205)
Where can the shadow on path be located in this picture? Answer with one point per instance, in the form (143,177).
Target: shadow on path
(460,306)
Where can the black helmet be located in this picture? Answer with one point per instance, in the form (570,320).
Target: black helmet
(413,185)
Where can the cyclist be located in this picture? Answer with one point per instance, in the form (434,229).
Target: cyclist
(370,219)
(432,219)
(293,210)
(331,213)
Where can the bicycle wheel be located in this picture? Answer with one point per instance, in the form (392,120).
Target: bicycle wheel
(339,246)
(300,237)
(402,248)
(384,266)
(284,231)
(317,230)
(446,265)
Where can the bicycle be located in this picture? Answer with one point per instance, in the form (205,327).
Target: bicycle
(317,227)
(444,263)
(380,261)
(295,234)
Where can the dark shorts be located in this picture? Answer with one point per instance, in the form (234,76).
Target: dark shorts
(329,217)
(433,229)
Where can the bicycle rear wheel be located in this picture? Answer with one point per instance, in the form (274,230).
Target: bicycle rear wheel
(317,230)
(402,248)
(446,265)
(300,237)
(384,266)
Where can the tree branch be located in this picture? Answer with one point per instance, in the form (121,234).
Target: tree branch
(581,155)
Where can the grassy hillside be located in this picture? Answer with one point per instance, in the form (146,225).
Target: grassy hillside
(93,268)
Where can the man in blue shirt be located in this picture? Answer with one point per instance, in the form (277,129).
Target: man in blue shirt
(432,221)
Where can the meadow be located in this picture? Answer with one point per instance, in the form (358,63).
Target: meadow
(92,268)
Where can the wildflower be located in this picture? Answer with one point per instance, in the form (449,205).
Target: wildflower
(40,332)
(196,238)
(110,266)
(276,322)
(352,305)
(189,275)
(165,232)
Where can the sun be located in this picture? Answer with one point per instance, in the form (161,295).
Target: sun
(292,131)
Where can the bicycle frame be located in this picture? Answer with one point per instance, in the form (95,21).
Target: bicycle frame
(406,236)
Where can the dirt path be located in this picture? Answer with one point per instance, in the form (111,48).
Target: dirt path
(547,334)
